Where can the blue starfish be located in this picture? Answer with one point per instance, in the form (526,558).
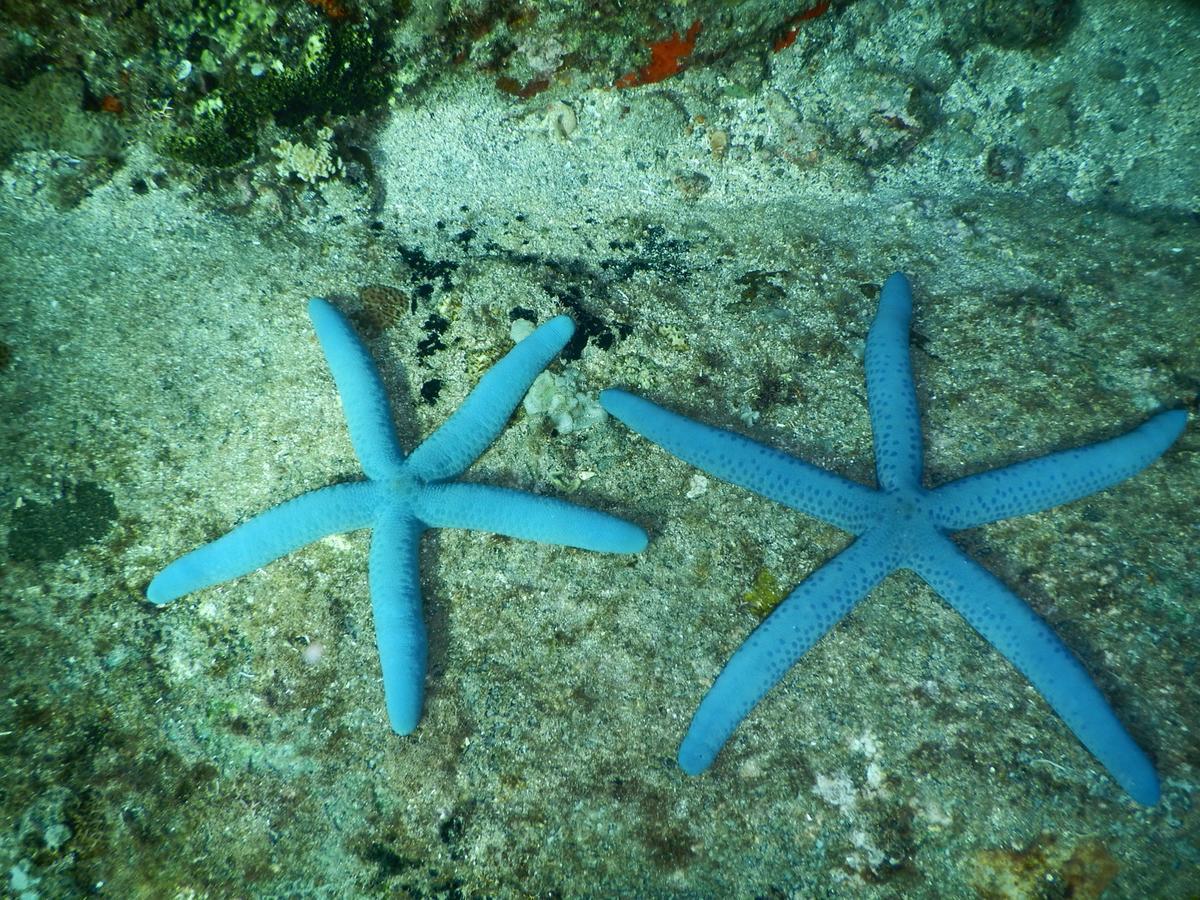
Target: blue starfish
(902,525)
(402,497)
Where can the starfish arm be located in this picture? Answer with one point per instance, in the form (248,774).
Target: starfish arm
(394,575)
(1038,653)
(891,397)
(731,457)
(1037,484)
(364,399)
(483,414)
(484,507)
(804,616)
(266,537)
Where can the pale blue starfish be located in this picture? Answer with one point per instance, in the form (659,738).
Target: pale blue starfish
(902,525)
(402,497)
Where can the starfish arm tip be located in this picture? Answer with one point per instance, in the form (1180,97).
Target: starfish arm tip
(634,540)
(404,718)
(588,529)
(897,281)
(695,755)
(161,591)
(621,403)
(617,536)
(561,327)
(1145,789)
(403,685)
(190,572)
(533,517)
(1173,422)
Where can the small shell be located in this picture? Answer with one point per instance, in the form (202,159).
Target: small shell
(718,143)
(561,120)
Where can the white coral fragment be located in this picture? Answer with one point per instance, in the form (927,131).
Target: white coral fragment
(837,790)
(309,164)
(559,399)
(697,487)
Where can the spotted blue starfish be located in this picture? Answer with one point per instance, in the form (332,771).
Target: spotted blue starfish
(402,497)
(901,525)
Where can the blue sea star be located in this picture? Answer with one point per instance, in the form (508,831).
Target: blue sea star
(402,497)
(901,525)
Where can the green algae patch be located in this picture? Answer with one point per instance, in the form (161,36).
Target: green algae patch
(764,593)
(343,72)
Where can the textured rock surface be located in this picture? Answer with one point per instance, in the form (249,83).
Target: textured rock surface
(719,237)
